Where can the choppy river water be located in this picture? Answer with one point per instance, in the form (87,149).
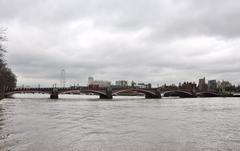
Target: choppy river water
(85,123)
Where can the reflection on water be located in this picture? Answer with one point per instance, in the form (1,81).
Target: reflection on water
(86,123)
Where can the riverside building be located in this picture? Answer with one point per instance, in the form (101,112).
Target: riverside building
(98,83)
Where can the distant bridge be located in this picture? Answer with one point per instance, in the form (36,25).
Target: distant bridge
(108,93)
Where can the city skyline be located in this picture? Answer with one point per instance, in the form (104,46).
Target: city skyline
(150,41)
(125,82)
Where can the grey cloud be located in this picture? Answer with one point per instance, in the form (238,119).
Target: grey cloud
(159,41)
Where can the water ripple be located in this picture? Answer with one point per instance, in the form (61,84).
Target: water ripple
(122,124)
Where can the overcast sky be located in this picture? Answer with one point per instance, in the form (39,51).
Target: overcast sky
(158,41)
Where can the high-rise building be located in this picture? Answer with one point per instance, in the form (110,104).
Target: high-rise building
(202,86)
(212,85)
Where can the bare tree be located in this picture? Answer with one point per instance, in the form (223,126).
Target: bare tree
(7,77)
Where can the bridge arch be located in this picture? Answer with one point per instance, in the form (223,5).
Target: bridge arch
(116,92)
(26,91)
(149,94)
(103,93)
(207,94)
(180,93)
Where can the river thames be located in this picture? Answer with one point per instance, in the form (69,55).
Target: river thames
(85,123)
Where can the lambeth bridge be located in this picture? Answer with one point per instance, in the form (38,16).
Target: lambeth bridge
(108,93)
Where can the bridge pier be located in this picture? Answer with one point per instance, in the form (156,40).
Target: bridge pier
(108,94)
(157,95)
(54,94)
(105,97)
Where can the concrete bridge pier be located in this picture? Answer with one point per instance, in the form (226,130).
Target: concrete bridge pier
(157,95)
(108,94)
(54,94)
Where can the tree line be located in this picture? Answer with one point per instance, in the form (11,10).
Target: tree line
(7,77)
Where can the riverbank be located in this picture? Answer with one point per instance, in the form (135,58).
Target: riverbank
(1,96)
(1,93)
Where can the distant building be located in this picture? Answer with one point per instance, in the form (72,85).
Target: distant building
(191,86)
(90,80)
(212,85)
(149,85)
(133,84)
(166,87)
(98,83)
(143,85)
(202,86)
(121,83)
